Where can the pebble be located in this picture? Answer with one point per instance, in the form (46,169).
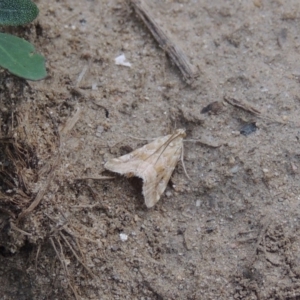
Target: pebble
(123,237)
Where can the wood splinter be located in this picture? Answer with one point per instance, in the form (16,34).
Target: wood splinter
(188,71)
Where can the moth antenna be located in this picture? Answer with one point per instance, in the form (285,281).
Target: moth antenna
(183,165)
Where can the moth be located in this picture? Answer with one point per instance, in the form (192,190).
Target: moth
(154,163)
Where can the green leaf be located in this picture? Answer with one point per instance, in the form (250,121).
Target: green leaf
(19,58)
(17,12)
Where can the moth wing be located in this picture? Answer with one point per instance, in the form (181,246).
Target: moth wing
(163,170)
(117,165)
(140,169)
(140,154)
(154,163)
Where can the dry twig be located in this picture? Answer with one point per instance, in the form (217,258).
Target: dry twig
(243,105)
(97,178)
(246,106)
(75,254)
(14,227)
(260,238)
(62,260)
(37,257)
(41,192)
(58,229)
(188,71)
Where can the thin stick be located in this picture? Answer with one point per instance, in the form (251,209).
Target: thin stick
(243,105)
(81,75)
(14,227)
(71,122)
(80,250)
(41,192)
(260,238)
(71,233)
(62,261)
(37,257)
(75,254)
(97,178)
(188,71)
(246,106)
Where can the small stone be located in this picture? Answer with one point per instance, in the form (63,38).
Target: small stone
(234,170)
(99,131)
(248,128)
(231,160)
(123,237)
(169,194)
(114,248)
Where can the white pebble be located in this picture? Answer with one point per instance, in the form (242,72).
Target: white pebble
(123,237)
(121,60)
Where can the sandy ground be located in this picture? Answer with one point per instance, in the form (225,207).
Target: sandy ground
(230,233)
